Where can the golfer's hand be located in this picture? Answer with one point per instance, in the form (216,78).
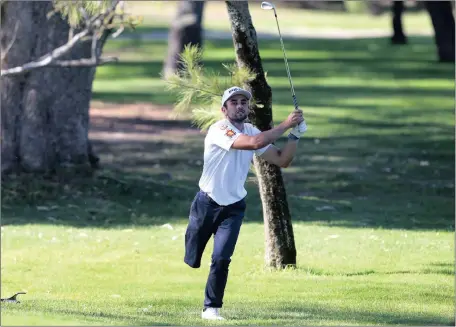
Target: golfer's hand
(296,132)
(294,118)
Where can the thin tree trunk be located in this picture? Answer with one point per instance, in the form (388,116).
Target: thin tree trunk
(280,247)
(45,113)
(441,13)
(398,31)
(185,29)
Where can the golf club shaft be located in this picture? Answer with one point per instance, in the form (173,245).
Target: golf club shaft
(286,63)
(302,125)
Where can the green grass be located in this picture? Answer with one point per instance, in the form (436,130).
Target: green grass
(135,276)
(371,194)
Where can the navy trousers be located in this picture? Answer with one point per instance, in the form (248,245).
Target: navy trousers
(207,218)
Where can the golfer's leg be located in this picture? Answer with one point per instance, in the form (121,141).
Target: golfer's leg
(224,243)
(199,230)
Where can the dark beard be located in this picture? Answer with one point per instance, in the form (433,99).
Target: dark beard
(238,119)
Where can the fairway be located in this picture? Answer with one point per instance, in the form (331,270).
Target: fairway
(135,276)
(371,194)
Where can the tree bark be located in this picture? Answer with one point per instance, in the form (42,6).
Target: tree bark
(441,13)
(397,9)
(185,29)
(279,239)
(45,112)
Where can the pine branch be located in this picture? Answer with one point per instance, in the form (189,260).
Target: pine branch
(185,85)
(204,118)
(197,87)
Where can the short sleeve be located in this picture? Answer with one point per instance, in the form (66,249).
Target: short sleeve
(223,135)
(255,131)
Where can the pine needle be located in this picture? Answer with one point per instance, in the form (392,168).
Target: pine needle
(72,10)
(199,90)
(204,118)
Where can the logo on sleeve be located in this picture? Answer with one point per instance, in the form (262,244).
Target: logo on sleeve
(223,127)
(230,133)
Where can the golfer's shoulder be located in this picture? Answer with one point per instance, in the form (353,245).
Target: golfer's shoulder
(218,126)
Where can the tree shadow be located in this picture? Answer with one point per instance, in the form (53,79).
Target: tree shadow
(152,182)
(305,67)
(367,317)
(95,313)
(289,313)
(393,169)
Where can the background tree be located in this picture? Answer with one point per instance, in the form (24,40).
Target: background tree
(47,69)
(185,29)
(442,18)
(397,10)
(280,245)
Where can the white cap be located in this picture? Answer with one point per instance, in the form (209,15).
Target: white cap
(232,91)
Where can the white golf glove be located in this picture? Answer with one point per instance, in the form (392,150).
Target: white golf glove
(298,130)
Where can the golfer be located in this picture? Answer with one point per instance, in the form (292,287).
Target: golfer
(218,208)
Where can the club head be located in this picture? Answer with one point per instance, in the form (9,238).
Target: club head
(267,5)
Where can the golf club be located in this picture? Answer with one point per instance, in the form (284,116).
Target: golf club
(268,6)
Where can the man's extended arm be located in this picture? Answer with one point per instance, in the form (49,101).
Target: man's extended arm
(281,157)
(246,142)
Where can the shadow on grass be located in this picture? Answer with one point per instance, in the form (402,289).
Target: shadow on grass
(281,95)
(385,170)
(153,183)
(439,268)
(266,313)
(91,315)
(323,313)
(377,181)
(306,68)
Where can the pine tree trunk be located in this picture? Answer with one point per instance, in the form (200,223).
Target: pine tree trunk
(441,13)
(280,246)
(185,29)
(45,112)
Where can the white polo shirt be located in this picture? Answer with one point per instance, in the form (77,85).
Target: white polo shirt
(225,169)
